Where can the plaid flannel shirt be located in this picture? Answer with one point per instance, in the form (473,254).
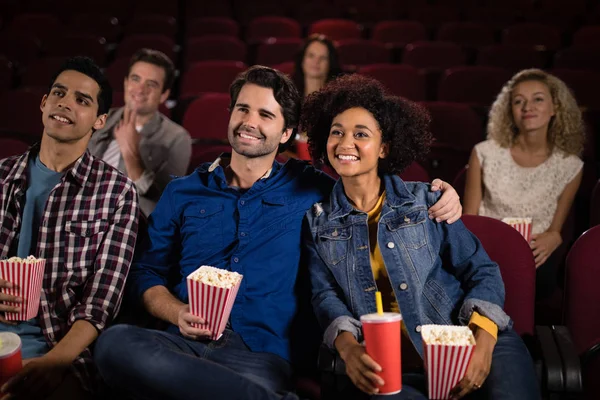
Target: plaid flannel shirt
(87,235)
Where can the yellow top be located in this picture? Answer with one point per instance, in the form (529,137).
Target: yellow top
(383,283)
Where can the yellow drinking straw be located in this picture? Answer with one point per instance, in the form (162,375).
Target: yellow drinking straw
(378,302)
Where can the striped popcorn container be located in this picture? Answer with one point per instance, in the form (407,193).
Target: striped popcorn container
(211,303)
(523,225)
(446,364)
(26,277)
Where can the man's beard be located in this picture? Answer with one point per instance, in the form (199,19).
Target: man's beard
(261,149)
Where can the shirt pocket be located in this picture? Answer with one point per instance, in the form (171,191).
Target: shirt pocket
(410,228)
(282,212)
(203,226)
(440,307)
(334,244)
(153,155)
(82,241)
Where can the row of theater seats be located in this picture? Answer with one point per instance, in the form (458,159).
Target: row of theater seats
(433,80)
(352,52)
(218,38)
(431,12)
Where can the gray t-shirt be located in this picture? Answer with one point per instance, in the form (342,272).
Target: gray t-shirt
(40,182)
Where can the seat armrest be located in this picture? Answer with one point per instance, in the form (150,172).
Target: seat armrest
(591,353)
(552,376)
(330,361)
(326,359)
(571,363)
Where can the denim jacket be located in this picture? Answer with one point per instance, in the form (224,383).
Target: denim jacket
(439,272)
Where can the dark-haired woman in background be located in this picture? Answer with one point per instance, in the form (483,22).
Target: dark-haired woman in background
(374,233)
(316,64)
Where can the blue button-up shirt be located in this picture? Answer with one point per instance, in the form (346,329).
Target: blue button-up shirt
(200,220)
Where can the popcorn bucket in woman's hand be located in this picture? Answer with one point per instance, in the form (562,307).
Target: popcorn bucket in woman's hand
(212,292)
(447,352)
(522,225)
(26,276)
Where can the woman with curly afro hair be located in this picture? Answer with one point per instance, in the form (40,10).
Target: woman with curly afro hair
(374,234)
(529,166)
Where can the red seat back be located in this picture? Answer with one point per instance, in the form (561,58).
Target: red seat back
(583,84)
(399,33)
(472,34)
(400,80)
(415,173)
(133,43)
(276,51)
(210,76)
(536,35)
(474,84)
(580,57)
(218,47)
(456,124)
(212,26)
(336,29)
(11,147)
(357,52)
(582,315)
(510,57)
(439,55)
(207,117)
(262,28)
(508,248)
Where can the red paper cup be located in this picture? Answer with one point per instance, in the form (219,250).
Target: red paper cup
(446,365)
(382,334)
(522,225)
(10,356)
(26,278)
(211,303)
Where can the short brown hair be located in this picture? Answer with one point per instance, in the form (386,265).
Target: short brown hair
(284,91)
(159,59)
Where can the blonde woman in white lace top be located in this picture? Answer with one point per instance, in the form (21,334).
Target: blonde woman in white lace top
(529,166)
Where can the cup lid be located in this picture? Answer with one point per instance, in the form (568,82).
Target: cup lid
(385,317)
(9,343)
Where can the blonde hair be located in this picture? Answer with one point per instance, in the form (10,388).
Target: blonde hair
(566,130)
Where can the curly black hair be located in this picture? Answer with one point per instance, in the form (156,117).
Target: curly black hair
(403,123)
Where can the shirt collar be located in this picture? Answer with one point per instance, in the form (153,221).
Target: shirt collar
(225,158)
(396,195)
(152,125)
(79,172)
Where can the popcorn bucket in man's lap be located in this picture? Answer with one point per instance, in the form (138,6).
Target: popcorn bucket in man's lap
(26,275)
(522,225)
(212,292)
(447,352)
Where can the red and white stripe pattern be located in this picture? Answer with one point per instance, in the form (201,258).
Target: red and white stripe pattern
(522,225)
(446,366)
(213,304)
(26,278)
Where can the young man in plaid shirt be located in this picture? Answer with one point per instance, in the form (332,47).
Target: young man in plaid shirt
(59,203)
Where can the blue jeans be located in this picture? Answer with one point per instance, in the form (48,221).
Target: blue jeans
(512,376)
(150,364)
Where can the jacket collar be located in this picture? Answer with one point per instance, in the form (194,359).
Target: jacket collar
(397,195)
(79,172)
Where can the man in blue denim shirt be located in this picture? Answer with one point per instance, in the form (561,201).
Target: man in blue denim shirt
(242,214)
